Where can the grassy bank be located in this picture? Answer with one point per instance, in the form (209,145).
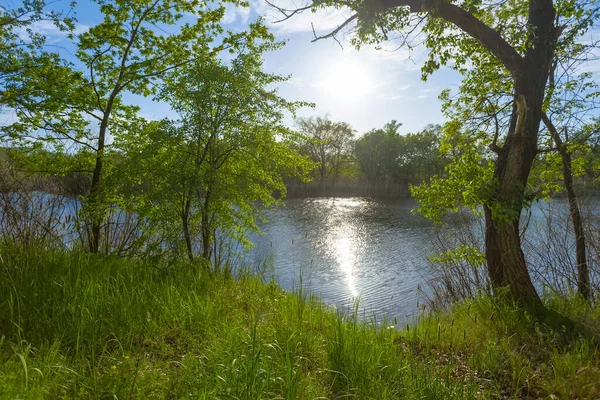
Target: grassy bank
(79,326)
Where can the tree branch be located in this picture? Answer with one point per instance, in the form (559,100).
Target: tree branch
(553,132)
(489,38)
(335,31)
(288,13)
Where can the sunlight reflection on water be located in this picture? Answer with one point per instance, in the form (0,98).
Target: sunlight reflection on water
(344,250)
(345,255)
(347,250)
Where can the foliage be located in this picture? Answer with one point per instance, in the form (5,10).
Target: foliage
(377,151)
(420,157)
(209,173)
(385,153)
(469,177)
(20,43)
(56,102)
(327,143)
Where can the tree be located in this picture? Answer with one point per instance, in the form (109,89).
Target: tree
(420,158)
(21,46)
(566,150)
(123,53)
(484,104)
(209,173)
(377,151)
(18,40)
(574,96)
(326,143)
(519,37)
(414,156)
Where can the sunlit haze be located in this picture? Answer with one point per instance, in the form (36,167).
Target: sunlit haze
(346,81)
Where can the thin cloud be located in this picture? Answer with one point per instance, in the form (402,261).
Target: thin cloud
(234,14)
(49,30)
(393,97)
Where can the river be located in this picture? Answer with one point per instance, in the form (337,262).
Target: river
(349,249)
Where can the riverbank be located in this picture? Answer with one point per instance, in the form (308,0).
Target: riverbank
(81,326)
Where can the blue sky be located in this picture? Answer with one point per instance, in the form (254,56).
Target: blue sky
(365,88)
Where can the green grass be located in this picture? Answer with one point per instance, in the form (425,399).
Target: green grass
(80,326)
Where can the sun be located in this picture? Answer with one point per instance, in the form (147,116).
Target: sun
(346,81)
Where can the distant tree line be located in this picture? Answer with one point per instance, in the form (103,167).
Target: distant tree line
(342,155)
(377,156)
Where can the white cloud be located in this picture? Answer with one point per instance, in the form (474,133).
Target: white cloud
(235,13)
(393,97)
(395,92)
(50,30)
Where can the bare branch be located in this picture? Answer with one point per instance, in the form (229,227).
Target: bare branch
(287,14)
(335,31)
(553,132)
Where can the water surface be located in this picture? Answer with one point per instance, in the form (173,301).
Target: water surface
(344,249)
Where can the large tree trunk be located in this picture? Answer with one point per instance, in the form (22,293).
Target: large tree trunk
(506,261)
(505,258)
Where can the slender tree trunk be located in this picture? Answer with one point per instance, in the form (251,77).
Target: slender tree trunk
(94,196)
(185,221)
(323,173)
(206,228)
(583,272)
(206,241)
(94,239)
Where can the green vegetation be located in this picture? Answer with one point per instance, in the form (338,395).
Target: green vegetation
(128,291)
(374,156)
(70,108)
(76,325)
